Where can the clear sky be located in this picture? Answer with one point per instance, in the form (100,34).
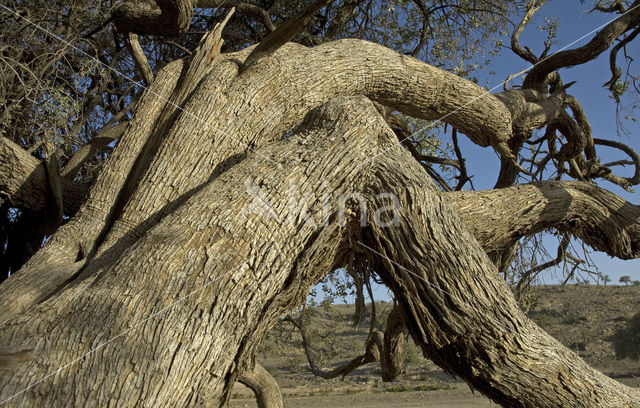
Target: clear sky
(599,107)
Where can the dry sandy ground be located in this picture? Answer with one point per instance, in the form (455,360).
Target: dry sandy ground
(459,397)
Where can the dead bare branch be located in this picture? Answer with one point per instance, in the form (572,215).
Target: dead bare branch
(577,56)
(283,33)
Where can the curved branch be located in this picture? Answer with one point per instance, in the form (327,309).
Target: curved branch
(467,321)
(263,385)
(603,220)
(598,44)
(386,348)
(527,277)
(613,66)
(529,109)
(296,82)
(134,48)
(248,8)
(583,123)
(625,182)
(424,32)
(524,53)
(370,355)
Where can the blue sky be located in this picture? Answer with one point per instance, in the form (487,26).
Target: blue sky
(599,107)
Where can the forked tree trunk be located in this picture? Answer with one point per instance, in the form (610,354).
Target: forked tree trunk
(189,249)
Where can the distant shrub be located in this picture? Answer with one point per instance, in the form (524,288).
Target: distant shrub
(627,340)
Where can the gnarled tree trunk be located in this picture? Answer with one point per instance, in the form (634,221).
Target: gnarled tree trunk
(193,242)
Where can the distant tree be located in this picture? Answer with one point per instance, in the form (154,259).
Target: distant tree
(625,279)
(636,283)
(606,279)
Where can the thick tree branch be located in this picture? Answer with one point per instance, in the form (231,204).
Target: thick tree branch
(600,218)
(95,145)
(529,109)
(429,259)
(355,67)
(447,323)
(167,18)
(24,181)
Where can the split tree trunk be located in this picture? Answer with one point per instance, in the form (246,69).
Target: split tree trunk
(160,289)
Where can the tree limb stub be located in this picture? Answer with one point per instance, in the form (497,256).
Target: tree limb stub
(283,33)
(131,41)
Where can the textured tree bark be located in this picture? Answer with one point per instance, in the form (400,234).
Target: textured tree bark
(174,269)
(484,338)
(226,113)
(603,220)
(63,255)
(264,386)
(231,276)
(23,181)
(393,345)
